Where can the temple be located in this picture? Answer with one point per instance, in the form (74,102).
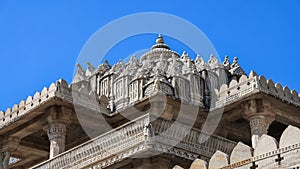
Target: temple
(160,110)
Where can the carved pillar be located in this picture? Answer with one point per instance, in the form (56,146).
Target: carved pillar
(7,147)
(259,115)
(58,119)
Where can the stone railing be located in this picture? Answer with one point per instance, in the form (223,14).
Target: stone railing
(70,93)
(267,154)
(247,85)
(276,90)
(59,89)
(136,136)
(110,144)
(188,138)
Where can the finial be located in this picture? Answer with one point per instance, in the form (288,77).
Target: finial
(160,39)
(160,43)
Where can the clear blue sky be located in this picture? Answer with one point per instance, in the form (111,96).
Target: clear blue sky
(40,41)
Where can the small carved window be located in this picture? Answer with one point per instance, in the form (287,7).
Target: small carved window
(119,89)
(133,91)
(104,87)
(198,85)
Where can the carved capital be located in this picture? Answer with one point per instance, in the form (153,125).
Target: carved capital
(259,125)
(56,130)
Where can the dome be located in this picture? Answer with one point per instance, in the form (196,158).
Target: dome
(158,49)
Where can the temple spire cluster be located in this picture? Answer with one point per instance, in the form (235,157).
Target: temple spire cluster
(177,73)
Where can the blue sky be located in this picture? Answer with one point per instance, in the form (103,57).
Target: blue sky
(41,40)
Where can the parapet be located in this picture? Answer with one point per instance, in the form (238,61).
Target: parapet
(267,154)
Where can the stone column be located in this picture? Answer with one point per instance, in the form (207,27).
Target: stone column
(259,115)
(58,119)
(8,145)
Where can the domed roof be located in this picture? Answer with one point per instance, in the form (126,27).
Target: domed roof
(158,49)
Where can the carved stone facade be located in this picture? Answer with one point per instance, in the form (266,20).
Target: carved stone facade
(159,70)
(157,106)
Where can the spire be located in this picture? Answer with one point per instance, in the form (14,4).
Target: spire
(160,43)
(160,39)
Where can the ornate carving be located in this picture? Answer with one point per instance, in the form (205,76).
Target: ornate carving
(130,139)
(258,125)
(259,118)
(149,89)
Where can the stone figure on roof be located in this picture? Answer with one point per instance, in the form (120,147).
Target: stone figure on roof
(226,63)
(235,68)
(212,60)
(200,63)
(235,63)
(104,66)
(80,70)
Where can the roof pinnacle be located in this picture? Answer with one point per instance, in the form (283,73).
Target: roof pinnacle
(160,39)
(160,43)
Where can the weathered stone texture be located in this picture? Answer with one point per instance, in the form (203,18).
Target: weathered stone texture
(218,160)
(241,152)
(289,137)
(265,145)
(198,164)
